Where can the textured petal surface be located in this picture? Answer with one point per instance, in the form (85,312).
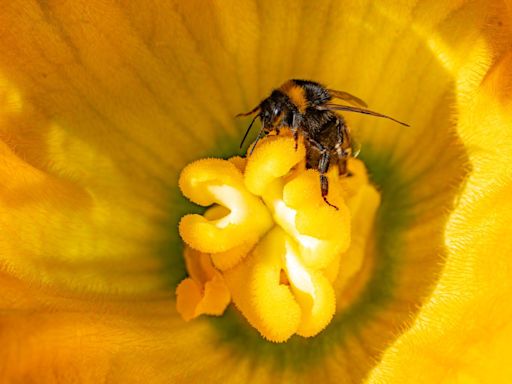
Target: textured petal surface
(103,103)
(464,331)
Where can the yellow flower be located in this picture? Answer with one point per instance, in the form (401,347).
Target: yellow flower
(102,105)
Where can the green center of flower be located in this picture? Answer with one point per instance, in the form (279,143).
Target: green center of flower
(269,242)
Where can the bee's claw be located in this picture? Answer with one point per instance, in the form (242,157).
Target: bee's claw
(332,205)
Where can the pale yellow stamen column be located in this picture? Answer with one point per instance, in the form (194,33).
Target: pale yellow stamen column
(274,242)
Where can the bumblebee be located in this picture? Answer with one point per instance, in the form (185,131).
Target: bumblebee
(307,109)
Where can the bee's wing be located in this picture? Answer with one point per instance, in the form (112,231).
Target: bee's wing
(354,100)
(337,107)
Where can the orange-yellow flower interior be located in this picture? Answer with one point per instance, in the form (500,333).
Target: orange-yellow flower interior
(104,105)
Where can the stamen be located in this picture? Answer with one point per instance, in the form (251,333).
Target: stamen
(269,237)
(215,181)
(205,291)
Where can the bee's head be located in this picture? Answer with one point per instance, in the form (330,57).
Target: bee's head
(270,111)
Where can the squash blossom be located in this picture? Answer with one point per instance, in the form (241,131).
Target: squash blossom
(138,243)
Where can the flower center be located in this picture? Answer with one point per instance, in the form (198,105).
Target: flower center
(269,242)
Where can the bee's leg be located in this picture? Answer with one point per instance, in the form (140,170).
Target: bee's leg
(339,131)
(342,166)
(255,143)
(295,129)
(323,166)
(341,145)
(296,138)
(342,159)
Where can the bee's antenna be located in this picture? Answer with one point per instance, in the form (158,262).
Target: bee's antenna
(248,113)
(336,107)
(257,139)
(248,129)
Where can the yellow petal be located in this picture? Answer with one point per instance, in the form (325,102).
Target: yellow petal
(463,332)
(107,78)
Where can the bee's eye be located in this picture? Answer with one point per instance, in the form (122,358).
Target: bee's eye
(276,111)
(266,114)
